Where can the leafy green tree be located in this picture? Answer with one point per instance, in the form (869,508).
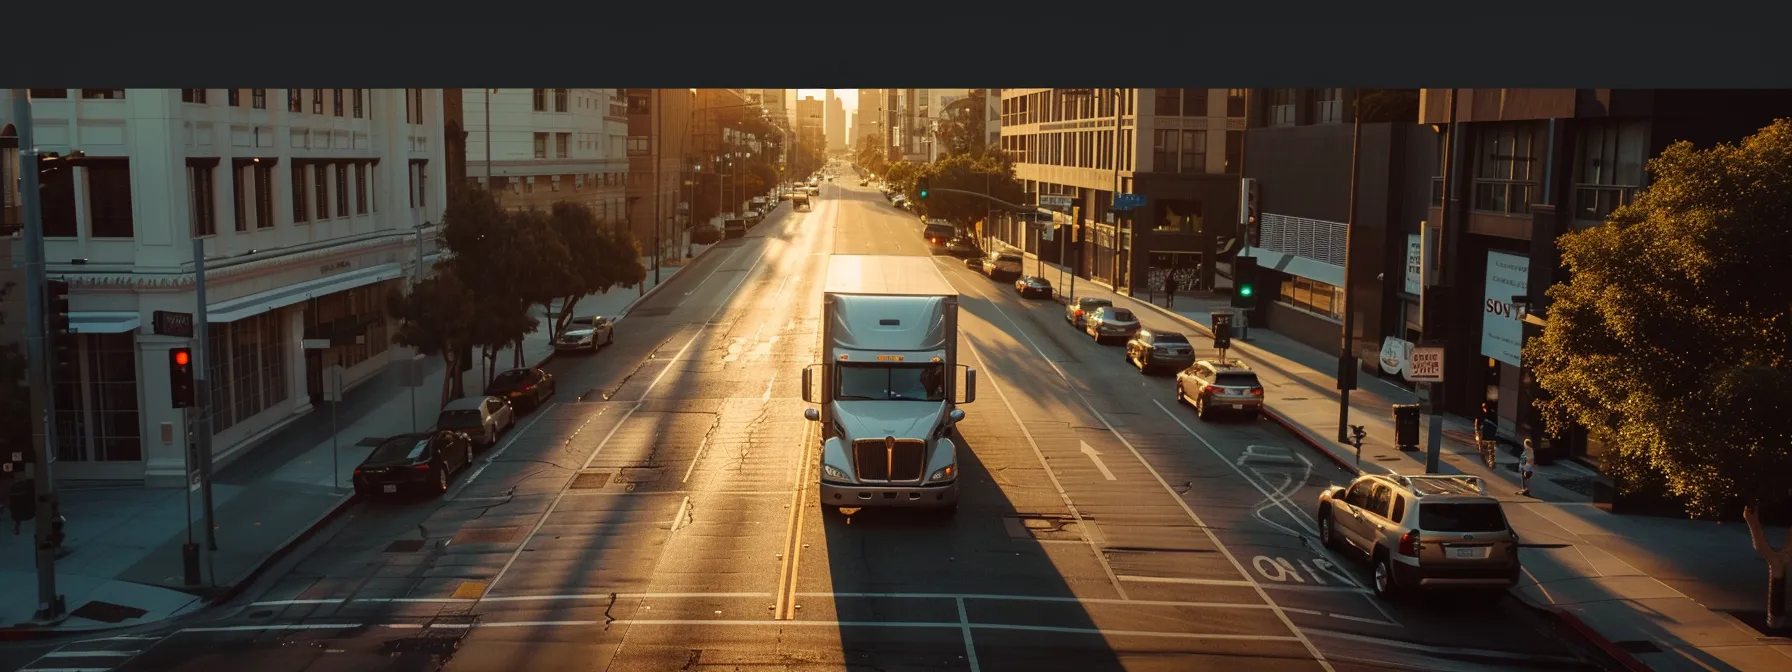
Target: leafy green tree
(962,172)
(433,318)
(960,129)
(901,177)
(1682,281)
(598,259)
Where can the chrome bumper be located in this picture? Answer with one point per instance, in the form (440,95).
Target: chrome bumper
(923,496)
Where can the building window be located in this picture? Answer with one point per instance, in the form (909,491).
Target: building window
(317,101)
(201,203)
(57,185)
(1179,216)
(1281,106)
(1194,151)
(420,178)
(336,102)
(560,100)
(1169,102)
(1328,106)
(418,95)
(239,192)
(1194,102)
(49,93)
(541,145)
(360,188)
(295,100)
(96,413)
(562,144)
(192,96)
(233,97)
(301,202)
(217,370)
(264,194)
(102,94)
(341,190)
(320,180)
(541,100)
(1503,182)
(1164,148)
(1312,296)
(1609,162)
(357,106)
(255,379)
(258,99)
(1234,152)
(109,198)
(1235,102)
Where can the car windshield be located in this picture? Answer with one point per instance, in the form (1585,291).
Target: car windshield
(860,382)
(1462,517)
(1008,258)
(1168,338)
(462,419)
(1119,316)
(1092,304)
(405,449)
(1236,380)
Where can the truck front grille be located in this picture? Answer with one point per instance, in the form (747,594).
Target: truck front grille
(876,460)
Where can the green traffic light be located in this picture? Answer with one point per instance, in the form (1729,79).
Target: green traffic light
(1244,290)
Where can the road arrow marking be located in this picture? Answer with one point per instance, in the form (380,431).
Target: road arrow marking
(1090,451)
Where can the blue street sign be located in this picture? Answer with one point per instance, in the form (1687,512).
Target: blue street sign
(1129,202)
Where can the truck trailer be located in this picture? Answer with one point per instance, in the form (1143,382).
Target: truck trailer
(887,387)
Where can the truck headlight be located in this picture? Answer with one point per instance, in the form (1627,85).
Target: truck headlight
(829,473)
(943,473)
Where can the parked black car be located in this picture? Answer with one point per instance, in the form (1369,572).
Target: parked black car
(1033,285)
(410,463)
(525,388)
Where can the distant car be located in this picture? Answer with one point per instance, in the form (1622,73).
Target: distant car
(525,388)
(588,332)
(482,419)
(1110,322)
(1033,285)
(1422,532)
(1076,310)
(1152,349)
(800,203)
(964,246)
(422,462)
(1002,265)
(1214,385)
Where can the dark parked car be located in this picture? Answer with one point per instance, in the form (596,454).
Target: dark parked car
(1033,285)
(422,462)
(1152,349)
(525,388)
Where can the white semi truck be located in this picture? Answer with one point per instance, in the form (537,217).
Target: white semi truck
(888,385)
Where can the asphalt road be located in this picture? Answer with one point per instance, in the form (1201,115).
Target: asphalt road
(660,514)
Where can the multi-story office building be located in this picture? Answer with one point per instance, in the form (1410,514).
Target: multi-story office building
(307,203)
(836,123)
(809,120)
(659,135)
(538,147)
(1177,147)
(867,119)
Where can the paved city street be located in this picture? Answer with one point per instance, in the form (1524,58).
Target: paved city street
(661,513)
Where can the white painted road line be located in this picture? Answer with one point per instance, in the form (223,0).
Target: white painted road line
(515,433)
(970,647)
(690,623)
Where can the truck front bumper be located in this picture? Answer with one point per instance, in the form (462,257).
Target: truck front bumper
(910,496)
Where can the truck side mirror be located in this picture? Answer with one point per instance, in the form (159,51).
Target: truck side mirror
(809,384)
(956,416)
(812,415)
(970,385)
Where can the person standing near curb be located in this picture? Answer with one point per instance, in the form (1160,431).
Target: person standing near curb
(1170,289)
(1527,466)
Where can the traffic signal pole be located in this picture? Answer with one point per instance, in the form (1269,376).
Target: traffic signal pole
(49,603)
(1347,361)
(202,400)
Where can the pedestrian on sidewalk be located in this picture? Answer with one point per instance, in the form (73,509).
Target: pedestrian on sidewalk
(1170,289)
(1527,466)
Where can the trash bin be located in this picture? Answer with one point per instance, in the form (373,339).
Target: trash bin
(1406,426)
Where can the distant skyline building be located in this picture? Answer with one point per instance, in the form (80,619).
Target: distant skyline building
(835,122)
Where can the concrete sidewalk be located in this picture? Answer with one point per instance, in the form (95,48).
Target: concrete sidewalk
(1656,591)
(123,559)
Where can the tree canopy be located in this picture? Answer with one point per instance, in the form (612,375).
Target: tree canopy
(965,173)
(1671,339)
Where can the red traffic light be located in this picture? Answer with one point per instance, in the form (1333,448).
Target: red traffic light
(182,358)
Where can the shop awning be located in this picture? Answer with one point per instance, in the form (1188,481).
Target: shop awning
(104,323)
(256,304)
(1311,269)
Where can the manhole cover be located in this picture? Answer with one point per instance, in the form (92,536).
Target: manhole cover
(590,480)
(1638,646)
(484,535)
(405,546)
(107,612)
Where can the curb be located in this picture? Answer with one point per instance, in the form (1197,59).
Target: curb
(285,548)
(1348,464)
(1616,653)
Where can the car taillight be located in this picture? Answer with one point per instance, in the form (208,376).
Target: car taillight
(1079,312)
(1215,389)
(357,472)
(1256,391)
(421,467)
(1410,545)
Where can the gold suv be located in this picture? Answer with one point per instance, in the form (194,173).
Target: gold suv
(1422,532)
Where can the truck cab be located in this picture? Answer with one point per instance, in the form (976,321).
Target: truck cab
(889,384)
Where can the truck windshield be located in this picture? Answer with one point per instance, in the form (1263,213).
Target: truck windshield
(882,382)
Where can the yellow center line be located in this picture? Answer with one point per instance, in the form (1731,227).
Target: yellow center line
(785,609)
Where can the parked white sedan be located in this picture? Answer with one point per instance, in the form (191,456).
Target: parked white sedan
(586,333)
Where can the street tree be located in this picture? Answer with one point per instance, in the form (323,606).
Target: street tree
(597,259)
(1681,281)
(528,265)
(960,128)
(962,172)
(433,318)
(901,177)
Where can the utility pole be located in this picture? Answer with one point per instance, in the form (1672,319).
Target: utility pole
(1347,363)
(49,604)
(1430,393)
(488,138)
(1114,200)
(202,400)
(659,219)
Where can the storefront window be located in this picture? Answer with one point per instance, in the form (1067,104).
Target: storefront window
(96,409)
(1312,296)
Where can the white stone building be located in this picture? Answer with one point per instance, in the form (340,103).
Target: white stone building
(307,201)
(550,145)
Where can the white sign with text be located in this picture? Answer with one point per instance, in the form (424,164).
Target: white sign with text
(1415,264)
(1426,365)
(1502,329)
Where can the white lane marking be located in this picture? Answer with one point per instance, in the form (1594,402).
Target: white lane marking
(64,669)
(679,518)
(701,446)
(1179,579)
(767,397)
(272,626)
(712,272)
(1444,650)
(1094,548)
(970,647)
(1318,656)
(515,433)
(952,625)
(1096,458)
(1039,598)
(619,423)
(90,654)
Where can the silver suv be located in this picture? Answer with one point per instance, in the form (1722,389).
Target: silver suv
(1422,532)
(1214,385)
